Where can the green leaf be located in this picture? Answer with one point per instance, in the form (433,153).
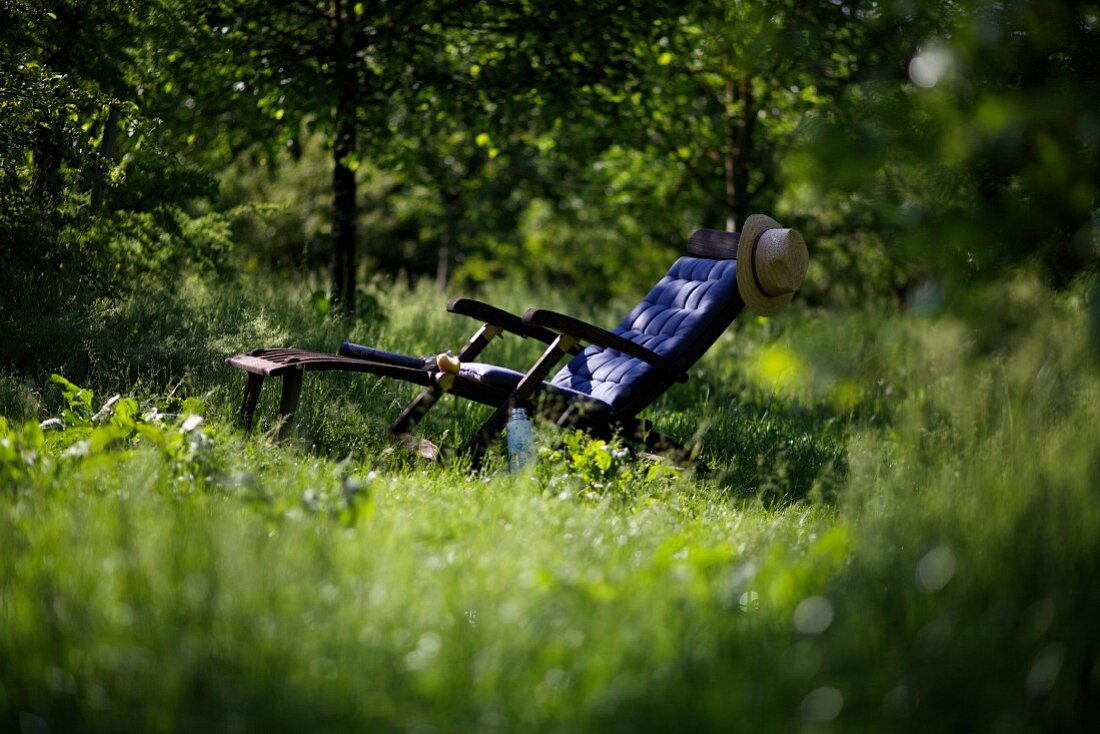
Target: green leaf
(33,436)
(193,406)
(351,162)
(78,398)
(152,433)
(126,412)
(602,455)
(320,302)
(102,438)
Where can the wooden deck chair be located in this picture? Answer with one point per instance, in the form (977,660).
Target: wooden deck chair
(612,375)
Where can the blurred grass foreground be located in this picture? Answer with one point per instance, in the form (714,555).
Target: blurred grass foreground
(900,532)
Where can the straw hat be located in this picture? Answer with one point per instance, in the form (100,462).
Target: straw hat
(771,263)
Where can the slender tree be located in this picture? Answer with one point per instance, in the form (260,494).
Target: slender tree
(366,72)
(731,81)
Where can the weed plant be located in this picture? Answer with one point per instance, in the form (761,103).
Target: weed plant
(899,532)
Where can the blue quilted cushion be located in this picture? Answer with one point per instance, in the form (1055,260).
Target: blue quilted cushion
(670,321)
(495,376)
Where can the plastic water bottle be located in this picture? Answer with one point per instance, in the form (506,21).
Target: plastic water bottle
(521,441)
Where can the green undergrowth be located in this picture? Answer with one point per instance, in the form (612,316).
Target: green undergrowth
(899,531)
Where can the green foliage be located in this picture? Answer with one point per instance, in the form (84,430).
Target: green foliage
(595,469)
(902,138)
(121,424)
(21,454)
(92,201)
(430,90)
(183,575)
(84,443)
(974,143)
(79,402)
(899,530)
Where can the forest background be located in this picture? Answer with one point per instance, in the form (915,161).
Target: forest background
(918,145)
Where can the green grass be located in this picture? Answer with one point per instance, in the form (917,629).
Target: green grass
(901,531)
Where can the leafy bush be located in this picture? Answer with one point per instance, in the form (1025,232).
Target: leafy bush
(969,144)
(91,202)
(594,469)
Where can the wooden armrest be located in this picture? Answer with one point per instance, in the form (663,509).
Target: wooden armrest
(595,335)
(499,317)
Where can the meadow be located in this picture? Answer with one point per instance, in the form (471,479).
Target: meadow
(899,530)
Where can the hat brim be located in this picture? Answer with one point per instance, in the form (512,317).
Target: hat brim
(757,301)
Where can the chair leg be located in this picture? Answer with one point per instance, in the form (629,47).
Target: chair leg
(660,443)
(401,430)
(430,395)
(526,388)
(415,410)
(252,385)
(657,444)
(288,403)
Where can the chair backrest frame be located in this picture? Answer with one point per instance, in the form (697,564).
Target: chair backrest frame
(714,244)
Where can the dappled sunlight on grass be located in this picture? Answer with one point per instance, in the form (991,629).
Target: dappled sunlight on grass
(778,368)
(898,531)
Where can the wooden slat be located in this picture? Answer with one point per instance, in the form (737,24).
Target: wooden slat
(278,362)
(258,365)
(714,244)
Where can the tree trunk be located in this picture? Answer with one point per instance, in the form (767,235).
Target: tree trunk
(48,152)
(729,158)
(745,127)
(103,156)
(344,200)
(343,215)
(737,149)
(446,239)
